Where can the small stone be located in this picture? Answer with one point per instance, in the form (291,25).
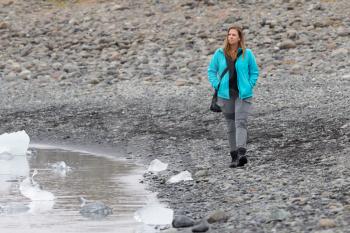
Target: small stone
(292,34)
(15,67)
(56,65)
(341,31)
(217,216)
(69,68)
(296,69)
(341,52)
(279,215)
(287,44)
(201,173)
(3,25)
(327,223)
(94,81)
(203,226)
(7,3)
(182,221)
(10,76)
(115,56)
(181,82)
(25,74)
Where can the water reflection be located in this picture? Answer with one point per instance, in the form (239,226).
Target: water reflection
(93,177)
(12,167)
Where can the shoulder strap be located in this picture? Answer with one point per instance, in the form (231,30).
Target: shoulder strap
(222,75)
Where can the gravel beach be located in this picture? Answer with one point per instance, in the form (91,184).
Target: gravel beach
(132,75)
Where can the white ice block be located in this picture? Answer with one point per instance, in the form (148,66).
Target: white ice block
(16,143)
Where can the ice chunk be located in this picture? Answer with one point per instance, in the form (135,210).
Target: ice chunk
(13,208)
(182,176)
(61,168)
(16,143)
(157,166)
(154,215)
(11,168)
(38,207)
(32,190)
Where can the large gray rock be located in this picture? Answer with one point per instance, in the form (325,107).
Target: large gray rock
(180,221)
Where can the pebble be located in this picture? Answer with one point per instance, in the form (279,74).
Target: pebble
(327,223)
(217,216)
(203,226)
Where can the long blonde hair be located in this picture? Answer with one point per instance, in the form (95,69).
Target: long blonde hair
(241,41)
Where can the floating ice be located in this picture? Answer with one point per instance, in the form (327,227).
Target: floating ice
(146,229)
(11,168)
(16,143)
(37,207)
(31,189)
(182,176)
(154,215)
(157,166)
(95,210)
(13,208)
(61,168)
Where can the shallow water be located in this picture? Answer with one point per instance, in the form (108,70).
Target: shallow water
(97,178)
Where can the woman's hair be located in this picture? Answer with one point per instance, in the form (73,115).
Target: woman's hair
(241,41)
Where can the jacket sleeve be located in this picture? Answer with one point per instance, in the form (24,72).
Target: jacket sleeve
(253,70)
(213,70)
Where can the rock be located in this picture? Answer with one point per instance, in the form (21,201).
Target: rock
(296,69)
(217,216)
(94,81)
(203,226)
(3,25)
(279,215)
(182,221)
(201,173)
(6,3)
(342,31)
(327,223)
(12,76)
(292,34)
(56,65)
(181,82)
(25,74)
(341,52)
(15,67)
(287,44)
(69,68)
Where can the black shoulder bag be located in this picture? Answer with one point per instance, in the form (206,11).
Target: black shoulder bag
(214,107)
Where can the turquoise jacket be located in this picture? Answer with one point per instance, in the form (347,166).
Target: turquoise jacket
(247,74)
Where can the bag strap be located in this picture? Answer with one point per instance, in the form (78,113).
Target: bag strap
(226,69)
(222,75)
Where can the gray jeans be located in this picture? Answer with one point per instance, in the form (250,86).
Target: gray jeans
(236,113)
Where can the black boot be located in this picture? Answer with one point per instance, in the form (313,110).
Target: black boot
(234,156)
(242,158)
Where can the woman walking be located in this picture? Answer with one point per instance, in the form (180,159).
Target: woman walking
(235,89)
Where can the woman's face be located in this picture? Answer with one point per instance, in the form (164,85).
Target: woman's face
(233,37)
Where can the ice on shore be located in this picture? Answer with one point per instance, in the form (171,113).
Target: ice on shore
(16,143)
(154,215)
(182,176)
(157,166)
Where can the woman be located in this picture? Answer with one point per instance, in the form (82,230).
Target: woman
(235,89)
